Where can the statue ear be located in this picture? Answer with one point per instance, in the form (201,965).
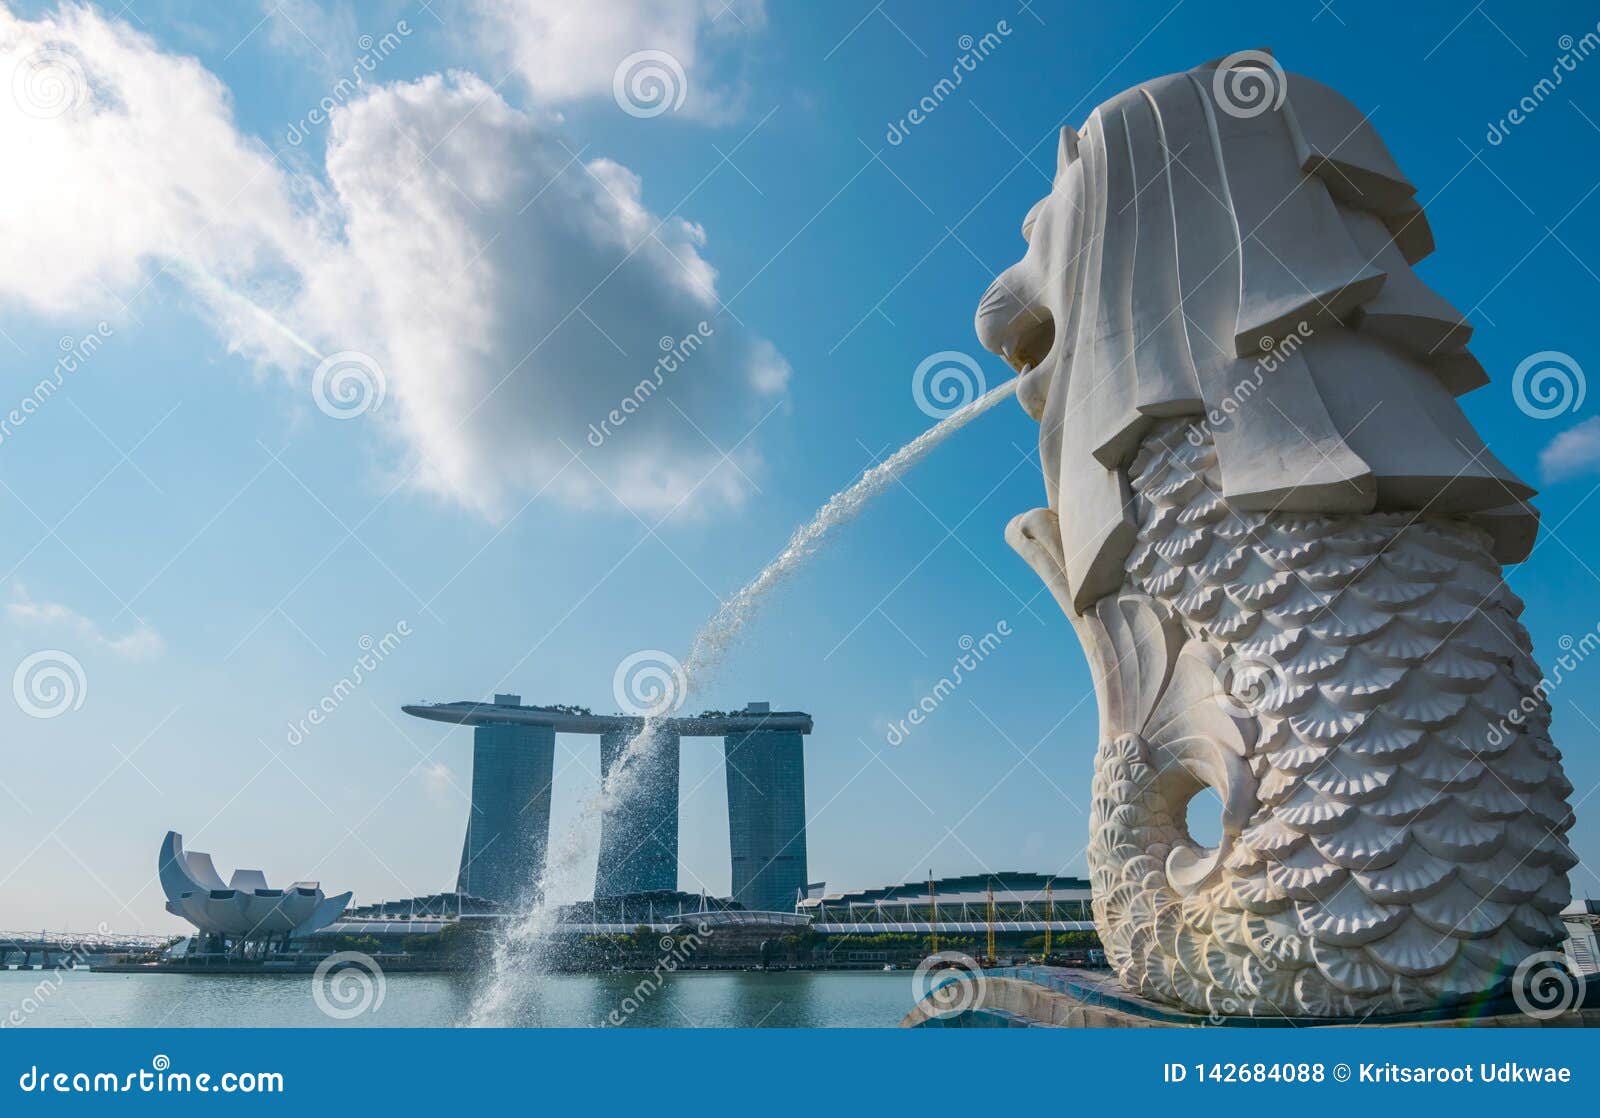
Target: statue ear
(1066,150)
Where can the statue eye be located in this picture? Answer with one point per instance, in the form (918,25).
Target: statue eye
(1033,216)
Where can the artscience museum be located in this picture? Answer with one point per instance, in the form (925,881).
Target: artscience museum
(244,916)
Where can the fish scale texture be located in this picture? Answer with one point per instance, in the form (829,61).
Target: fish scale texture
(1405,844)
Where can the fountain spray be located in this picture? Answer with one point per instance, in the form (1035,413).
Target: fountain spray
(518,954)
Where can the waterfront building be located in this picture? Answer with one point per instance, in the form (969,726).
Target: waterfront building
(245,915)
(766,775)
(1582,919)
(892,925)
(659,910)
(1024,903)
(639,827)
(508,821)
(508,827)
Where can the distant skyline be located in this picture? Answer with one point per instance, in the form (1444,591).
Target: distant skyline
(362,354)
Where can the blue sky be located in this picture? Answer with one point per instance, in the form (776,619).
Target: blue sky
(212,548)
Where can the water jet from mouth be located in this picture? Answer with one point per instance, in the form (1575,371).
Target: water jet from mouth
(522,949)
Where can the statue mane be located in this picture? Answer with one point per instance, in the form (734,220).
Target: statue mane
(1281,544)
(1235,244)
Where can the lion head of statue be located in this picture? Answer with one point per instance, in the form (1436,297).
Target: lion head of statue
(1235,244)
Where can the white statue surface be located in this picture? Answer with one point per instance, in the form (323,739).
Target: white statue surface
(1281,544)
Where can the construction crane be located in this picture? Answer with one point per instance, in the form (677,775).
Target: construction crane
(1049,917)
(989,956)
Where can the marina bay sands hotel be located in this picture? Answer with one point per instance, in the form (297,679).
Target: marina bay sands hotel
(513,762)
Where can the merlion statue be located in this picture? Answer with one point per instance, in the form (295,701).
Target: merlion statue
(1280,542)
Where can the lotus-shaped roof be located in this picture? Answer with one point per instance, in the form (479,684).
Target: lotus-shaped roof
(245,907)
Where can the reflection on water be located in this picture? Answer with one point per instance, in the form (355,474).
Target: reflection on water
(725,999)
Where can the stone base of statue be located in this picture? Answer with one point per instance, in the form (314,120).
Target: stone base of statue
(1062,997)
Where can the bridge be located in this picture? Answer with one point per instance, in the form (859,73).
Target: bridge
(72,949)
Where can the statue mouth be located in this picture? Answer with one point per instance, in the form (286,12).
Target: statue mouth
(1029,339)
(1014,319)
(1029,350)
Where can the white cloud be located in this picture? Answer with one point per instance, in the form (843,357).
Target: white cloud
(769,369)
(1574,451)
(564,51)
(512,292)
(121,156)
(141,643)
(322,35)
(526,292)
(437,779)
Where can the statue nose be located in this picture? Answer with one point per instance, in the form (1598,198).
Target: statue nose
(1001,318)
(1013,325)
